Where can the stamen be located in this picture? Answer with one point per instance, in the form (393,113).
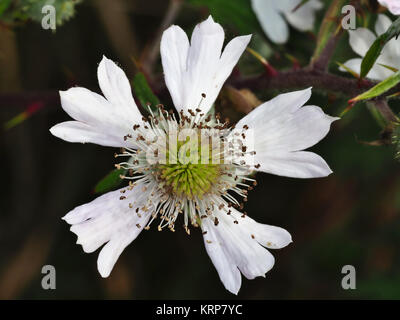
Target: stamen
(198,191)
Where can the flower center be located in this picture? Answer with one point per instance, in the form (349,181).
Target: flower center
(189,180)
(192,166)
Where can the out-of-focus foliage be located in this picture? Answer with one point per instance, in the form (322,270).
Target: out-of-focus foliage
(143,92)
(15,11)
(236,13)
(110,181)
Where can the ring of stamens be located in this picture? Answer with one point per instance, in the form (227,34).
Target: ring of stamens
(188,187)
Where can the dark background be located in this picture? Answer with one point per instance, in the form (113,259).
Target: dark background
(348,218)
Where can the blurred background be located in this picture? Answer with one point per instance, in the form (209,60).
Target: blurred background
(349,218)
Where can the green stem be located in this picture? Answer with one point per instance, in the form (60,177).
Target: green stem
(328,36)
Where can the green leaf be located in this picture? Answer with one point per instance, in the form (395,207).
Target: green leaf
(110,181)
(375,50)
(389,67)
(4,4)
(379,89)
(143,91)
(234,12)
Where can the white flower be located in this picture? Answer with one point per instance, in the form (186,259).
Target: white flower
(392,5)
(203,194)
(272,14)
(361,40)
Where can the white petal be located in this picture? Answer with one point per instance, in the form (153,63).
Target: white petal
(222,260)
(353,64)
(203,58)
(116,88)
(271,237)
(303,18)
(377,72)
(293,131)
(174,50)
(110,253)
(237,246)
(75,131)
(93,110)
(271,20)
(202,66)
(281,104)
(191,71)
(392,5)
(232,52)
(361,40)
(84,105)
(382,24)
(279,128)
(391,51)
(315,4)
(108,219)
(298,164)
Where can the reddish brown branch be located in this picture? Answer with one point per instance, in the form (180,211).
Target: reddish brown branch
(300,79)
(283,81)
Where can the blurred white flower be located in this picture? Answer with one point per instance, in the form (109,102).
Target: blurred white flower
(392,5)
(361,40)
(202,194)
(273,14)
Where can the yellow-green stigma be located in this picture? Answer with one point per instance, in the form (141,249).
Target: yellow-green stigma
(189,180)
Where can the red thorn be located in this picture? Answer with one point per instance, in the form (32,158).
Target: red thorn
(34,107)
(271,71)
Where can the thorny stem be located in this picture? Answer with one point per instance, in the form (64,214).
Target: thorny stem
(305,77)
(151,53)
(285,80)
(384,110)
